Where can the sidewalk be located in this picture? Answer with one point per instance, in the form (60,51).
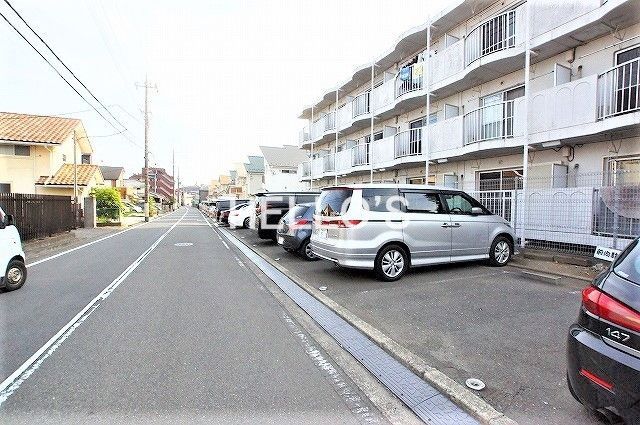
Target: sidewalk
(550,263)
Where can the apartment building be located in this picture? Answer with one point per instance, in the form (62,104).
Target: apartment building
(573,116)
(161,184)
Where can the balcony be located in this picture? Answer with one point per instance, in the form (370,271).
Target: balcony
(410,78)
(361,105)
(498,33)
(329,163)
(303,136)
(329,121)
(304,169)
(408,143)
(489,122)
(618,90)
(360,155)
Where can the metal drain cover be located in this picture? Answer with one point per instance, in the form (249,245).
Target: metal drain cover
(475,384)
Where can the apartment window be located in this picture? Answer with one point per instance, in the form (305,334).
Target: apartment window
(497,113)
(623,171)
(5,188)
(64,158)
(86,159)
(500,179)
(628,79)
(288,171)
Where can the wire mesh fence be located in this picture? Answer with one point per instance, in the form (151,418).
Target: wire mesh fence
(567,212)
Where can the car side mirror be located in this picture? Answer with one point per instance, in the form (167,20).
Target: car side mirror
(476,211)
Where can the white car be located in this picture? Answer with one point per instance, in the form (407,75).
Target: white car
(12,265)
(242,217)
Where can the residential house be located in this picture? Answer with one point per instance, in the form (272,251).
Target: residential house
(38,153)
(255,175)
(113,176)
(569,123)
(280,168)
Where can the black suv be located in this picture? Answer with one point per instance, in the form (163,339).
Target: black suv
(603,348)
(271,206)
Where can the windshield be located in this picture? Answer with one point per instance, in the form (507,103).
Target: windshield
(628,264)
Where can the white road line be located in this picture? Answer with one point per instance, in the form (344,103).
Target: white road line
(13,382)
(205,219)
(35,263)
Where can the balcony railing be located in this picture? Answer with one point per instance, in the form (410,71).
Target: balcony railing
(498,33)
(329,121)
(618,89)
(345,115)
(306,168)
(329,163)
(303,136)
(410,78)
(408,143)
(489,122)
(360,155)
(361,104)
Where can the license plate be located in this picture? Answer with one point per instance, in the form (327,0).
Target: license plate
(280,240)
(321,233)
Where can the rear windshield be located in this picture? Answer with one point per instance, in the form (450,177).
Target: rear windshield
(297,212)
(628,265)
(303,199)
(334,202)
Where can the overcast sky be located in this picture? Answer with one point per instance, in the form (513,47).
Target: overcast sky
(231,75)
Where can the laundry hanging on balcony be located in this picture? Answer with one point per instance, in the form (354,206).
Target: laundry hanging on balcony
(416,75)
(405,73)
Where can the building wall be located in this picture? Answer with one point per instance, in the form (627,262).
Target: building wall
(281,179)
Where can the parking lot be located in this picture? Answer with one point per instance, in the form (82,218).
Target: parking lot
(467,320)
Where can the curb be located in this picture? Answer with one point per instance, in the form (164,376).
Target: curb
(560,275)
(456,392)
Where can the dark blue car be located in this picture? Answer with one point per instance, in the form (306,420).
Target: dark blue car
(294,230)
(603,349)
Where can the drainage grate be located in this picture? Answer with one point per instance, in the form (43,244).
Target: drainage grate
(425,401)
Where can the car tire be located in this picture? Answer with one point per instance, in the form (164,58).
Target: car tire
(246,223)
(15,275)
(391,263)
(306,252)
(500,252)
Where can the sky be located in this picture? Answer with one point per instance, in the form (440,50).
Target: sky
(230,75)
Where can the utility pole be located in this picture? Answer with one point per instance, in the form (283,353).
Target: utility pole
(146,145)
(75,177)
(173,177)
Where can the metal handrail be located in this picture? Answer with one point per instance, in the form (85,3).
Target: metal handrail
(618,89)
(408,143)
(410,78)
(489,122)
(361,104)
(360,155)
(495,34)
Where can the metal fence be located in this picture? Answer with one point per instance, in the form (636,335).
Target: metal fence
(38,216)
(567,212)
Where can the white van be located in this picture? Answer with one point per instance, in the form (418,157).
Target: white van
(11,255)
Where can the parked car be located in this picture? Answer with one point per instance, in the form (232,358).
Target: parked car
(12,259)
(225,204)
(603,349)
(224,215)
(391,227)
(272,206)
(242,217)
(294,230)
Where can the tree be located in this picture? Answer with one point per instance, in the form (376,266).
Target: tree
(108,202)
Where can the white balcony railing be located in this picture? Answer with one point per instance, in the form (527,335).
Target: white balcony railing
(306,167)
(343,161)
(329,121)
(316,167)
(360,155)
(383,95)
(489,122)
(408,143)
(361,104)
(304,135)
(618,89)
(329,163)
(410,78)
(498,33)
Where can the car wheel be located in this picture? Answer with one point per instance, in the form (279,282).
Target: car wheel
(500,252)
(306,251)
(15,276)
(391,263)
(246,223)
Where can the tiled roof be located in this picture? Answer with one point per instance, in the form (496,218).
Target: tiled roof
(255,165)
(35,128)
(285,156)
(64,176)
(111,173)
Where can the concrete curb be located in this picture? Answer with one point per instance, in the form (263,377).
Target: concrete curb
(533,269)
(458,393)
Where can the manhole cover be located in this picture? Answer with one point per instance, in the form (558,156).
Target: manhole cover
(183,244)
(475,384)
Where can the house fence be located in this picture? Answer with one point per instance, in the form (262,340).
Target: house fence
(568,212)
(38,216)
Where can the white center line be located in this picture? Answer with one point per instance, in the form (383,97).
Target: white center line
(13,382)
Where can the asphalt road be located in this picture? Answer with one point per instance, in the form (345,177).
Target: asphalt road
(467,320)
(189,335)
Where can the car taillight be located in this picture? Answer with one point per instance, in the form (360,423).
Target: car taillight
(608,308)
(342,224)
(299,223)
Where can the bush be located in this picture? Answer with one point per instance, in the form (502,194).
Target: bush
(108,202)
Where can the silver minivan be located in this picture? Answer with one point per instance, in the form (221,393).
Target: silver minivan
(390,227)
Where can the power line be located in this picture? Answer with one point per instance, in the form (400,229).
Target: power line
(63,64)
